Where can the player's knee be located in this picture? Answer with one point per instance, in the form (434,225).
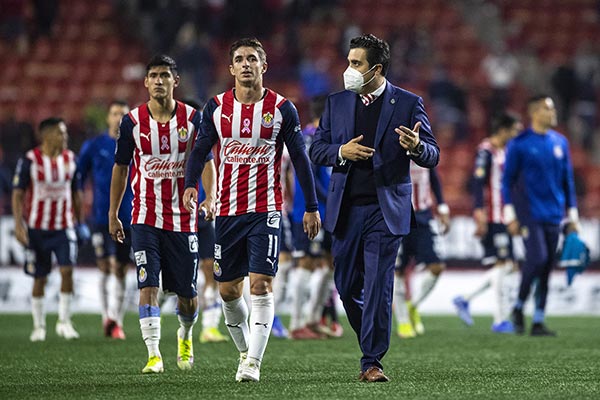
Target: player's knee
(260,287)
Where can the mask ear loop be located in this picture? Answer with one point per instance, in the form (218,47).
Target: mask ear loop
(366,83)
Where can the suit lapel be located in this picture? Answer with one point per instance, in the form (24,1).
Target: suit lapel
(387,109)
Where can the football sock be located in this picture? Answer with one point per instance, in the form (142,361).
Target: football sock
(300,284)
(150,326)
(186,322)
(427,285)
(519,304)
(64,306)
(38,312)
(538,316)
(211,312)
(400,309)
(279,282)
(119,301)
(236,319)
(483,285)
(261,321)
(104,278)
(496,280)
(319,293)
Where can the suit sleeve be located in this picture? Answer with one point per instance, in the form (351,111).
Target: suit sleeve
(125,142)
(206,138)
(431,153)
(292,136)
(480,175)
(322,150)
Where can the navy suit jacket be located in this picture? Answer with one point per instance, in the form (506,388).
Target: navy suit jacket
(390,161)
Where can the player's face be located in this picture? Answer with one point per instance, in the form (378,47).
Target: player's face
(160,82)
(545,113)
(115,114)
(247,67)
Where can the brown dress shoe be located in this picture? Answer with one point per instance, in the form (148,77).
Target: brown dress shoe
(373,374)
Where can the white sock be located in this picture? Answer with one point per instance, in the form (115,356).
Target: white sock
(211,312)
(38,312)
(236,319)
(400,309)
(104,295)
(119,301)
(427,285)
(261,321)
(498,272)
(64,307)
(483,285)
(279,283)
(298,292)
(150,327)
(186,323)
(319,293)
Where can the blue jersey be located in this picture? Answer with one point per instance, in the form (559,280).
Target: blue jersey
(538,171)
(322,175)
(97,158)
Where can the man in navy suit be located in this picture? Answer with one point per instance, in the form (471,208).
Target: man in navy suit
(365,135)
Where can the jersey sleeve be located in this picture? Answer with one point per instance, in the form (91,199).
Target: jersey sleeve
(84,162)
(569,184)
(292,136)
(197,121)
(436,186)
(481,172)
(22,176)
(125,142)
(206,137)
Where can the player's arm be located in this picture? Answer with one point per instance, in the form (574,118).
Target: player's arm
(569,189)
(443,210)
(483,162)
(206,137)
(209,184)
(21,181)
(118,182)
(84,164)
(292,136)
(512,167)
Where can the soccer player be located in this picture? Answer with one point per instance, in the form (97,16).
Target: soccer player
(97,157)
(45,193)
(423,243)
(158,136)
(249,125)
(538,169)
(490,228)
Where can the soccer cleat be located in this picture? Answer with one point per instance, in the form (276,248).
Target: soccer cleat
(278,330)
(154,365)
(108,325)
(406,331)
(238,374)
(336,329)
(38,335)
(304,334)
(118,333)
(539,329)
(518,321)
(503,327)
(212,335)
(185,353)
(66,330)
(462,309)
(415,318)
(250,371)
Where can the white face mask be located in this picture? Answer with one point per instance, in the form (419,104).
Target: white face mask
(354,80)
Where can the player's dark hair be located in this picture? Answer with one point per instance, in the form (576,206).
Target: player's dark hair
(249,42)
(378,50)
(317,106)
(118,102)
(49,123)
(504,120)
(534,100)
(162,60)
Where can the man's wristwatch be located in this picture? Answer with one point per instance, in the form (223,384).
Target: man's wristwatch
(418,150)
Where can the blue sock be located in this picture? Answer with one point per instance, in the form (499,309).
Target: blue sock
(147,311)
(519,304)
(538,316)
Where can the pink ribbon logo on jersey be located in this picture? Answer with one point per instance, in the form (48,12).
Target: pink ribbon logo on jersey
(164,143)
(246,129)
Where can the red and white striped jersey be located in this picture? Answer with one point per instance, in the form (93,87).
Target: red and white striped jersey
(48,182)
(249,152)
(421,187)
(158,151)
(489,166)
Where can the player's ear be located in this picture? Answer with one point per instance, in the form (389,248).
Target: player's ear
(231,70)
(265,67)
(146,81)
(176,81)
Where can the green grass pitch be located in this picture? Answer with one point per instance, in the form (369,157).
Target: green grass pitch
(449,362)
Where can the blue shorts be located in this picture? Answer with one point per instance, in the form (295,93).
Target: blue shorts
(175,254)
(497,245)
(42,244)
(422,243)
(206,239)
(286,235)
(105,247)
(314,248)
(247,243)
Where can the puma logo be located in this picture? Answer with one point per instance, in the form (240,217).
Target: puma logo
(227,117)
(260,323)
(146,135)
(232,326)
(272,262)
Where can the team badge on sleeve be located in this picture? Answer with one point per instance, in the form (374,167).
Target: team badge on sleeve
(268,120)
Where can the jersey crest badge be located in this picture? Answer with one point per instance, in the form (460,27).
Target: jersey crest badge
(217,269)
(142,275)
(268,120)
(558,152)
(182,134)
